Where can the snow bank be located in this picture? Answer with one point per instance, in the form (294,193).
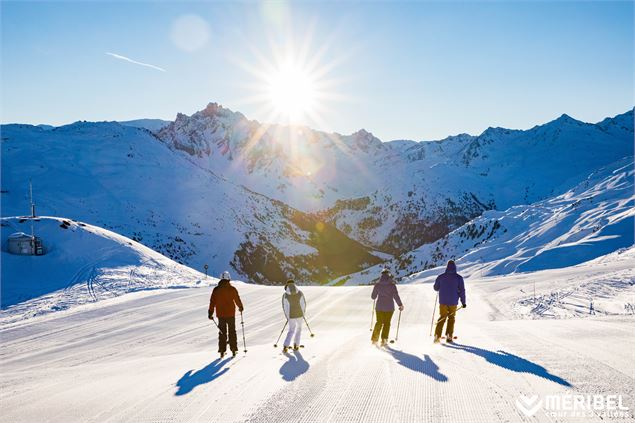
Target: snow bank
(82,264)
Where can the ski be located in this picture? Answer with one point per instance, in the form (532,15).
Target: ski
(380,345)
(287,350)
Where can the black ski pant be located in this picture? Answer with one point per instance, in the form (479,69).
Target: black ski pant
(382,325)
(227,327)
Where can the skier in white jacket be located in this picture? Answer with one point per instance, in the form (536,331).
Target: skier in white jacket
(294,306)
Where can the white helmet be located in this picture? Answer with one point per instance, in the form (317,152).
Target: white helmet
(225,275)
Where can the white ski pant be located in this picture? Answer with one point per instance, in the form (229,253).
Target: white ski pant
(295,331)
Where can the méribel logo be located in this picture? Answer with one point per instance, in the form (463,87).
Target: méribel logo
(528,405)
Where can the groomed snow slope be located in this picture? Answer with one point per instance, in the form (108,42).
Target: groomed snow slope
(153,358)
(82,264)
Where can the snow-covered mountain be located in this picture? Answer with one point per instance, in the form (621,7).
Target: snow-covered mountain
(153,125)
(395,196)
(306,169)
(592,219)
(275,201)
(123,179)
(435,187)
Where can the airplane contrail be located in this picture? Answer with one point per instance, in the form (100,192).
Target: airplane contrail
(127,59)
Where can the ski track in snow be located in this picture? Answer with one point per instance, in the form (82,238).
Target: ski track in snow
(153,359)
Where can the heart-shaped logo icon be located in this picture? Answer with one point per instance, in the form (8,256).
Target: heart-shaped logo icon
(528,405)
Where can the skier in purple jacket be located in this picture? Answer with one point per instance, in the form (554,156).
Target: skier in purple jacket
(385,292)
(451,288)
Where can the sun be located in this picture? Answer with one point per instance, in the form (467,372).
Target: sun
(292,92)
(291,83)
(293,86)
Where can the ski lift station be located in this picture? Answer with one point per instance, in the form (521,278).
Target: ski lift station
(22,244)
(25,245)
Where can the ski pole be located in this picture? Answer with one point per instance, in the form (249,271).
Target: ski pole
(434,310)
(397,335)
(242,324)
(279,336)
(453,313)
(215,324)
(219,329)
(309,327)
(460,308)
(372,315)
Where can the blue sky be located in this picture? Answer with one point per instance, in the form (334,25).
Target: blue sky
(418,70)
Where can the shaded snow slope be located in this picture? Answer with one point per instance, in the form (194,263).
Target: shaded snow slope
(594,218)
(123,179)
(82,264)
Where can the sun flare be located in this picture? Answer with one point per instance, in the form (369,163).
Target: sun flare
(292,92)
(291,82)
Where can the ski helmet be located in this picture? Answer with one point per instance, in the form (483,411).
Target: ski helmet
(225,275)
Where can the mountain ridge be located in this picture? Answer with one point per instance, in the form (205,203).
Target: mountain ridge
(376,197)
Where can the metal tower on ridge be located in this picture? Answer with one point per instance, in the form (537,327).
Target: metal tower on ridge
(31,196)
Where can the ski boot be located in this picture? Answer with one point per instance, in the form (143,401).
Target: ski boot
(437,339)
(222,355)
(296,347)
(234,354)
(449,339)
(285,349)
(384,342)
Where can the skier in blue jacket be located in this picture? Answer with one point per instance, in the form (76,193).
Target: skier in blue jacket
(451,288)
(386,294)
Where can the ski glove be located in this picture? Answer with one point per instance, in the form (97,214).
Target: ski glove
(240,309)
(464,305)
(210,314)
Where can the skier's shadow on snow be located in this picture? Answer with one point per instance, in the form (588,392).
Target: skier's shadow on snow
(294,366)
(510,362)
(415,363)
(190,380)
